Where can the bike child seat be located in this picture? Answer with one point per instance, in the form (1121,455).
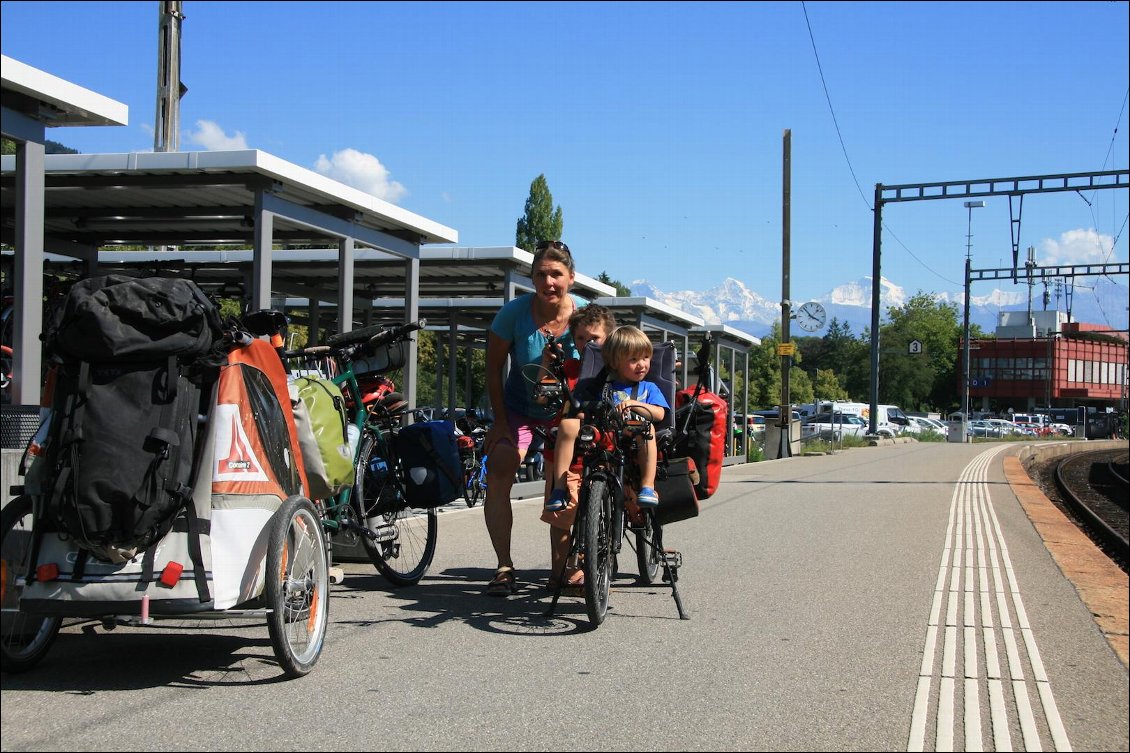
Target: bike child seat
(662,373)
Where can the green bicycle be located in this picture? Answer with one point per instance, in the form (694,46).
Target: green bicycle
(399,540)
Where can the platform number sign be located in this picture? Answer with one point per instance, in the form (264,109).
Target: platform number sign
(915,347)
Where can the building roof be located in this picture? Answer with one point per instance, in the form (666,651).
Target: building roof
(185,198)
(53,101)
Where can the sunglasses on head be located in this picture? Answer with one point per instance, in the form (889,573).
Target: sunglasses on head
(543,245)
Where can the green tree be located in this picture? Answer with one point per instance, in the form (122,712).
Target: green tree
(927,380)
(541,221)
(826,386)
(622,290)
(7,146)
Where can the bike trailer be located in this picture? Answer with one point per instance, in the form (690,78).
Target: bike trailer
(245,467)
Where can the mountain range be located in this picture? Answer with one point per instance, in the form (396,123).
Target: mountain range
(1102,301)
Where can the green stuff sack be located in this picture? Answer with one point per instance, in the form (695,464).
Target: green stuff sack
(323,436)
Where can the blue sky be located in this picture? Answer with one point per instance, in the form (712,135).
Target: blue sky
(657,125)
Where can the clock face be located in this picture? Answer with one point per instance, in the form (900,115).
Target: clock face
(810,316)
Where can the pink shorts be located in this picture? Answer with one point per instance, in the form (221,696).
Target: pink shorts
(522,429)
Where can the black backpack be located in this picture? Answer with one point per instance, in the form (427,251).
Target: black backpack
(135,360)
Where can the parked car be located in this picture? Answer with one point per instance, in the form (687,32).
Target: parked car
(982,428)
(929,424)
(756,424)
(1008,427)
(833,426)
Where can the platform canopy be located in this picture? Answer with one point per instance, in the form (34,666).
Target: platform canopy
(32,101)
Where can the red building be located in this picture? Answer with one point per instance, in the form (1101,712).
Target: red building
(1066,364)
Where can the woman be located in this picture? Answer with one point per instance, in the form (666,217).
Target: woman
(520,331)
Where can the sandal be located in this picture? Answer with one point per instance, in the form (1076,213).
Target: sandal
(574,583)
(503,584)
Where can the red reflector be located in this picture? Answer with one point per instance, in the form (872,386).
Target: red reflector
(171,574)
(47,572)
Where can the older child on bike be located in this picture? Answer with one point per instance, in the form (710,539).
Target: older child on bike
(591,323)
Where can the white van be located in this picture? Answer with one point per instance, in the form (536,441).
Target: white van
(890,422)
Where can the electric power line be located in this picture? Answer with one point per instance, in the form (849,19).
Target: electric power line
(843,147)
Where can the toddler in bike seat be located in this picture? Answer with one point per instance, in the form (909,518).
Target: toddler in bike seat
(627,355)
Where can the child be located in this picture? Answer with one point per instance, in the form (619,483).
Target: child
(627,356)
(589,324)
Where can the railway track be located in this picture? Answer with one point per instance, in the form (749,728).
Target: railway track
(1093,488)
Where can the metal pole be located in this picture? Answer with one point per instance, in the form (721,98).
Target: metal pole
(876,254)
(965,356)
(966,366)
(169,89)
(785,413)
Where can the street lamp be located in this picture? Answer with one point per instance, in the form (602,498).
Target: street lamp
(969,206)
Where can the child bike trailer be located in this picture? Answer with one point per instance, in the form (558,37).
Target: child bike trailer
(246,542)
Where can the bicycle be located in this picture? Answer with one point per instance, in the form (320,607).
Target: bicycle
(474,462)
(400,542)
(606,447)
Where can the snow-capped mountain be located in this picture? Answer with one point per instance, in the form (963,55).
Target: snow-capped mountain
(733,303)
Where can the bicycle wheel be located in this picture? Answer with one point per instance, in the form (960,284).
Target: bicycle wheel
(647,549)
(474,487)
(597,532)
(297,586)
(24,638)
(405,540)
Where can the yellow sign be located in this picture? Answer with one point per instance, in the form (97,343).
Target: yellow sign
(786,349)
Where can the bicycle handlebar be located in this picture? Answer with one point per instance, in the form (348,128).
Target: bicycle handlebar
(557,365)
(374,335)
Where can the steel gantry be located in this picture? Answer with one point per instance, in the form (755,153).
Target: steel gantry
(1016,187)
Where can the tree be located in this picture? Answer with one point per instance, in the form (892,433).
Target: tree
(49,147)
(541,221)
(927,380)
(622,290)
(826,386)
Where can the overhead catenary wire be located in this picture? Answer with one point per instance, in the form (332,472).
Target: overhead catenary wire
(847,158)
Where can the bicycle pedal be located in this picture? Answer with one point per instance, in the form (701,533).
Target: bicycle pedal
(337,576)
(382,534)
(673,559)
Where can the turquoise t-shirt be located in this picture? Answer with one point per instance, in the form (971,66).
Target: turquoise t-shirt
(514,323)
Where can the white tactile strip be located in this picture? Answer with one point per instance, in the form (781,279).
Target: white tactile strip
(977,588)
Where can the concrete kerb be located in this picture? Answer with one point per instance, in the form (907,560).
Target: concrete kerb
(1102,586)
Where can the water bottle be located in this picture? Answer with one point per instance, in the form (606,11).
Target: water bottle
(354,435)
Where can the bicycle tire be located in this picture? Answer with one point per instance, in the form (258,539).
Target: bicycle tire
(24,638)
(476,491)
(647,549)
(597,532)
(474,485)
(406,542)
(297,588)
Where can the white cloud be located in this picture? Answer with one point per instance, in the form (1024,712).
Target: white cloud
(209,135)
(1076,247)
(362,171)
